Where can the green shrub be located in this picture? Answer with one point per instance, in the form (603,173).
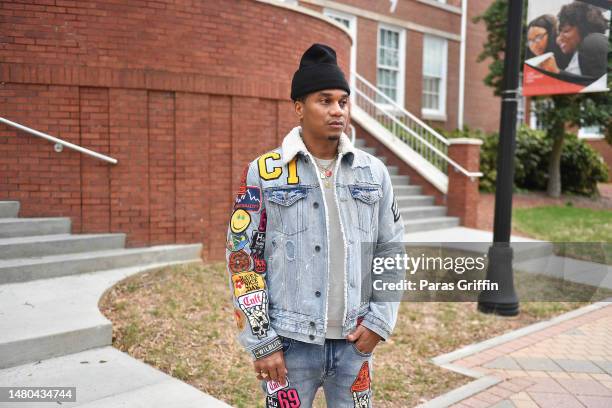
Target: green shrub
(581,166)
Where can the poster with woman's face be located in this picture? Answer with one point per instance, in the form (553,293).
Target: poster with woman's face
(567,47)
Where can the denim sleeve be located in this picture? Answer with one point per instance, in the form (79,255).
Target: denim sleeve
(246,267)
(382,315)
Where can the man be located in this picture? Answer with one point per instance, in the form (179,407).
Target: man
(297,245)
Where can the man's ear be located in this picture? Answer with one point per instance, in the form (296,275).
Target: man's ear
(299,109)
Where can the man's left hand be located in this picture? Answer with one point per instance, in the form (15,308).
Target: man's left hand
(364,338)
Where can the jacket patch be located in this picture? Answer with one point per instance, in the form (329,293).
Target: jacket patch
(262,165)
(243,187)
(239,261)
(247,282)
(292,177)
(263,220)
(250,200)
(394,210)
(255,307)
(260,265)
(258,244)
(237,241)
(240,221)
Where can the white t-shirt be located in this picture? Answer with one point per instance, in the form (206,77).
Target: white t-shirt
(574,65)
(335,300)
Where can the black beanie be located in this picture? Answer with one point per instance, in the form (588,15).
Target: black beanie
(318,70)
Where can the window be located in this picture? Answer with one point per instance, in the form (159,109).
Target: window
(350,22)
(591,132)
(435,51)
(390,64)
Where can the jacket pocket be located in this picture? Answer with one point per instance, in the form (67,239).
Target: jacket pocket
(366,196)
(286,209)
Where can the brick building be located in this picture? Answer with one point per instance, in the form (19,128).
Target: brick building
(184,93)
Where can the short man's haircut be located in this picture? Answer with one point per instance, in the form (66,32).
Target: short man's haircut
(585,17)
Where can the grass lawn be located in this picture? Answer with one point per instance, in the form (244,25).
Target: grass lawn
(565,224)
(179,319)
(587,232)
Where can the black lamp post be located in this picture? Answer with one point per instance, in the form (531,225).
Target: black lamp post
(505,301)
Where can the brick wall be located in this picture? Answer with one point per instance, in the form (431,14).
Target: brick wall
(605,150)
(482,109)
(181,93)
(414,12)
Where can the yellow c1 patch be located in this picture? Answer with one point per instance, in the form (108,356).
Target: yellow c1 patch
(263,170)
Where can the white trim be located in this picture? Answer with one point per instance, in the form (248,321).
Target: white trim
(401,75)
(439,113)
(429,172)
(465,141)
(378,17)
(441,4)
(307,11)
(428,114)
(462,51)
(589,136)
(353,30)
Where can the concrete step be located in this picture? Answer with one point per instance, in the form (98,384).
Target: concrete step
(393,170)
(403,190)
(43,245)
(9,209)
(428,224)
(105,377)
(54,317)
(400,180)
(430,211)
(23,227)
(27,269)
(371,150)
(359,143)
(414,200)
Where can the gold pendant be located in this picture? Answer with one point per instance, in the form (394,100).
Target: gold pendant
(327,185)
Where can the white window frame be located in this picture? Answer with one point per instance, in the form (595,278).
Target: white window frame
(401,80)
(436,114)
(586,133)
(331,13)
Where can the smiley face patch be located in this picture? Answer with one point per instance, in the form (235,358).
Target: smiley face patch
(240,221)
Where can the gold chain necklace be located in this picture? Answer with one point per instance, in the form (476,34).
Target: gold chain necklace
(325,172)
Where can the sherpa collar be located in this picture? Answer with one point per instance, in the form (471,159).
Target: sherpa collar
(293,144)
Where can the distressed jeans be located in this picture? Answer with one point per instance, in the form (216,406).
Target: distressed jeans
(337,366)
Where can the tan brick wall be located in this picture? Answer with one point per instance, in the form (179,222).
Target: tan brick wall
(182,93)
(482,108)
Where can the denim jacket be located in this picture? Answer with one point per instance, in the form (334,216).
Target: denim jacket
(277,245)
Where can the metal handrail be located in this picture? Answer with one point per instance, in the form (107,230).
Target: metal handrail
(402,110)
(440,154)
(59,141)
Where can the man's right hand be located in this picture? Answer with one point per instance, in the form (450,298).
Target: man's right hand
(273,365)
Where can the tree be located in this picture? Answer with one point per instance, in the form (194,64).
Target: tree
(555,112)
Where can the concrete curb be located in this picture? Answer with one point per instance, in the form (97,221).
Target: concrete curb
(486,381)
